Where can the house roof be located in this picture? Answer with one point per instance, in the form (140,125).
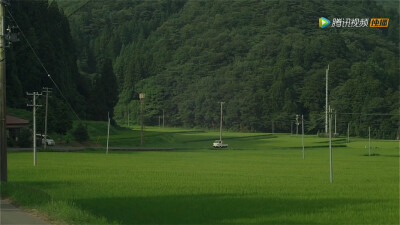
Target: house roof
(15,122)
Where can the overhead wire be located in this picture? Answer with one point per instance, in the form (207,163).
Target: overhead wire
(83,5)
(42,65)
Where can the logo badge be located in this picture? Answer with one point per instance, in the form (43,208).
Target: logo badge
(379,22)
(324,22)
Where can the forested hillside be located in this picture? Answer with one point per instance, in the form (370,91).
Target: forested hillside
(46,30)
(265,59)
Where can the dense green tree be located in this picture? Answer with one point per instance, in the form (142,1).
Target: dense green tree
(80,133)
(46,29)
(265,59)
(104,95)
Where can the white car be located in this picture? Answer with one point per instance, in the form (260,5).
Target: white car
(219,144)
(49,140)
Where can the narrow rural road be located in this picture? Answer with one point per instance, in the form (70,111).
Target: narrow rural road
(9,214)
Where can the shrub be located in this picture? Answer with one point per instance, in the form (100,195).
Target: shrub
(25,138)
(80,133)
(10,142)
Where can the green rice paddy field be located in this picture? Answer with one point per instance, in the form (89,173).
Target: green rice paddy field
(261,178)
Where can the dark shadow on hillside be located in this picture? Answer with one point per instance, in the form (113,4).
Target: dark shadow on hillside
(227,139)
(207,208)
(317,146)
(342,140)
(188,132)
(254,137)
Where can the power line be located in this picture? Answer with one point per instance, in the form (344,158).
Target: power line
(370,114)
(76,10)
(67,16)
(41,63)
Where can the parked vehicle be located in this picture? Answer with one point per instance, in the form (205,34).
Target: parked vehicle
(40,138)
(219,144)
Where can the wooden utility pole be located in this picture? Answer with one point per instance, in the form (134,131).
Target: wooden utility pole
(141,97)
(348,132)
(47,91)
(369,141)
(34,94)
(326,99)
(108,130)
(220,125)
(291,128)
(3,138)
(302,136)
(330,146)
(272,126)
(335,124)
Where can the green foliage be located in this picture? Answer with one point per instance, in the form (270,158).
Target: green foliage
(10,142)
(80,133)
(59,116)
(21,113)
(24,138)
(48,32)
(265,59)
(105,93)
(58,210)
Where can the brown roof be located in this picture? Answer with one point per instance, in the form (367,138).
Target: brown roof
(15,122)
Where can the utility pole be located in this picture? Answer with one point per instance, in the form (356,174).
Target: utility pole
(272,128)
(108,131)
(3,138)
(330,145)
(326,100)
(141,97)
(220,124)
(369,141)
(335,124)
(302,128)
(348,132)
(34,94)
(47,91)
(291,127)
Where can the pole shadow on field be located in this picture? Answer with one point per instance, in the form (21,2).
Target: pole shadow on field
(208,208)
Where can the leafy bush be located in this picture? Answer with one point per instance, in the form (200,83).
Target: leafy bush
(10,142)
(80,133)
(25,138)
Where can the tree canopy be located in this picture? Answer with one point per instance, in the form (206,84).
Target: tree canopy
(265,59)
